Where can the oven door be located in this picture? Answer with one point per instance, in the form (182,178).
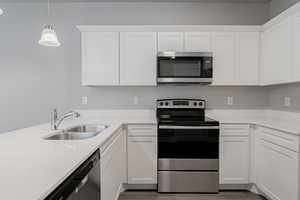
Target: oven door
(184,69)
(188,147)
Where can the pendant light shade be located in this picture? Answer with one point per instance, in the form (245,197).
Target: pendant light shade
(49,37)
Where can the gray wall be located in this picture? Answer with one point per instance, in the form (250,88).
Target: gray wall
(277,6)
(278,93)
(34,79)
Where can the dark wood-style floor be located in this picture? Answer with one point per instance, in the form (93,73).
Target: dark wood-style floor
(221,196)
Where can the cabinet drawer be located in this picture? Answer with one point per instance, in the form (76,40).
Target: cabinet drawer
(279,138)
(142,130)
(235,129)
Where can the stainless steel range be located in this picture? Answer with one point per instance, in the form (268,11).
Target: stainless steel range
(188,147)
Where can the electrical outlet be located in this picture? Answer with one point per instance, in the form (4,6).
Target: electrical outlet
(230,101)
(135,100)
(287,101)
(84,100)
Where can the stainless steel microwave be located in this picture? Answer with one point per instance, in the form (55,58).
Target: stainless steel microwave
(184,68)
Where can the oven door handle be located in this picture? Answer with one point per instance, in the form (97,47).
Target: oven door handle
(189,127)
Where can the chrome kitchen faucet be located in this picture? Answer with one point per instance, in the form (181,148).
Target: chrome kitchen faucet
(55,121)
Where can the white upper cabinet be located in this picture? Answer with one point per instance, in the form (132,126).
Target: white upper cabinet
(170,41)
(100,58)
(296,47)
(247,58)
(138,51)
(224,58)
(197,41)
(277,53)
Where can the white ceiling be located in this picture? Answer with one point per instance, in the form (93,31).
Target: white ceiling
(83,1)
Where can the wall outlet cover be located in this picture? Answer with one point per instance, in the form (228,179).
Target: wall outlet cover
(230,101)
(84,100)
(287,101)
(135,100)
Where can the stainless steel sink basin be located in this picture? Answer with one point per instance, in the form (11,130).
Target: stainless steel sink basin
(78,132)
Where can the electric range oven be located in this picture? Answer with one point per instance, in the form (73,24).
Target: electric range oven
(188,147)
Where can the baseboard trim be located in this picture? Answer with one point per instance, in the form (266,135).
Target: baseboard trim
(235,186)
(140,186)
(120,190)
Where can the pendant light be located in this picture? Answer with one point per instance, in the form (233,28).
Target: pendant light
(49,37)
(1,11)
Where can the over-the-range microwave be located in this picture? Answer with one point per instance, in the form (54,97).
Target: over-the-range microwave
(184,67)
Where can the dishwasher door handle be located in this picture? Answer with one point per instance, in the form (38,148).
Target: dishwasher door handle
(82,183)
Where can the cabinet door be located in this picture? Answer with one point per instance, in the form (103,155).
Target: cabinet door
(197,41)
(170,41)
(113,168)
(100,58)
(296,46)
(224,53)
(247,66)
(234,160)
(278,171)
(142,160)
(266,71)
(138,53)
(277,63)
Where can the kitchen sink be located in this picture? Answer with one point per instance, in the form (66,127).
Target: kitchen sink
(78,132)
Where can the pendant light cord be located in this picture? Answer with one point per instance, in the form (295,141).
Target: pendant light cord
(49,11)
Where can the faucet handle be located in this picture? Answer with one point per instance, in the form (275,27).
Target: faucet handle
(76,114)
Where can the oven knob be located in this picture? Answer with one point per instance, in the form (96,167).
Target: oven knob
(167,103)
(195,103)
(161,103)
(200,103)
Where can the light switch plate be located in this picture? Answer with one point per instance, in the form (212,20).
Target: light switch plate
(287,101)
(84,100)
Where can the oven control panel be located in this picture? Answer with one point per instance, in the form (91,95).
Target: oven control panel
(181,103)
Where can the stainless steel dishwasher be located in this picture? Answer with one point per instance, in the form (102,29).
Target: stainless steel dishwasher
(82,184)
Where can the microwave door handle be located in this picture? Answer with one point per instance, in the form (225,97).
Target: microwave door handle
(188,127)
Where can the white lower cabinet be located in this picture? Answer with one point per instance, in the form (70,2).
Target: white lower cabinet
(142,154)
(234,154)
(277,165)
(113,166)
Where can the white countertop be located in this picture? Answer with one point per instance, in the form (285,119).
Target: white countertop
(279,120)
(32,167)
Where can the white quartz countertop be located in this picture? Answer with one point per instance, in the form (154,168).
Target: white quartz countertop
(283,121)
(32,167)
